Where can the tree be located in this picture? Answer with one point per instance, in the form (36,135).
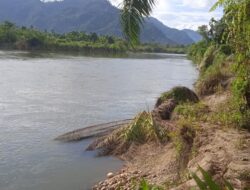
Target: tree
(204,32)
(93,37)
(218,32)
(237,19)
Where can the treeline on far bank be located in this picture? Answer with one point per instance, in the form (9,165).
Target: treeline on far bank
(24,38)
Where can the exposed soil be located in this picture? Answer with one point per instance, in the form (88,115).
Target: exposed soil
(223,152)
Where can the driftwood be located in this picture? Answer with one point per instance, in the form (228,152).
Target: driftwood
(92,131)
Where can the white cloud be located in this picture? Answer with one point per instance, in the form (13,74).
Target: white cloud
(182,13)
(115,2)
(198,4)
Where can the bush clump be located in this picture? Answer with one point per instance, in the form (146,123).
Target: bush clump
(208,58)
(215,77)
(193,112)
(231,114)
(179,95)
(141,129)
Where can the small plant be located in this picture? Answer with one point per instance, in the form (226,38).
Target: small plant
(142,129)
(208,183)
(184,135)
(144,185)
(230,113)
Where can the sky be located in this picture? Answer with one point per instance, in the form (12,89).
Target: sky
(182,13)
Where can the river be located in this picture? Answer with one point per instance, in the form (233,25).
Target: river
(44,95)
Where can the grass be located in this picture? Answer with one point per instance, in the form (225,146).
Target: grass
(192,112)
(144,185)
(141,129)
(179,94)
(231,114)
(214,77)
(184,135)
(208,58)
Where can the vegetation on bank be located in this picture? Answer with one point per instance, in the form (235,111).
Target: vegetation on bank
(23,38)
(223,58)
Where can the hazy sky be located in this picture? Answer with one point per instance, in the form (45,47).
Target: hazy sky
(183,13)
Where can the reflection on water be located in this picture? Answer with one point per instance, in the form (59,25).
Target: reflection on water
(44,95)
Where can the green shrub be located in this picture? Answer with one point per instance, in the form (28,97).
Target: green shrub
(208,183)
(231,114)
(144,185)
(142,129)
(226,49)
(194,112)
(213,78)
(184,135)
(197,51)
(208,58)
(179,95)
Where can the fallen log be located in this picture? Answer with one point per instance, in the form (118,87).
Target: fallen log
(92,131)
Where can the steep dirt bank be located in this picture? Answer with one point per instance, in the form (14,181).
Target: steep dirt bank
(223,151)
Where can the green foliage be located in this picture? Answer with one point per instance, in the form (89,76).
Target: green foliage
(144,185)
(208,58)
(231,114)
(23,38)
(204,32)
(192,112)
(214,77)
(142,130)
(226,49)
(132,17)
(179,94)
(184,135)
(197,51)
(208,183)
(231,35)
(237,17)
(217,30)
(177,49)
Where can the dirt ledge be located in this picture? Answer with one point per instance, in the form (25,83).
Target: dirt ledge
(224,152)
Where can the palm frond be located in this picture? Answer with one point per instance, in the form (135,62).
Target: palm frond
(217,4)
(132,18)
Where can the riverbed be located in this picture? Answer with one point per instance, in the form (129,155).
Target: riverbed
(44,95)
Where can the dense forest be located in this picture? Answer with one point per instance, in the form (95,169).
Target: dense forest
(23,38)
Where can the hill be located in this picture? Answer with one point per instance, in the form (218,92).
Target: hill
(90,16)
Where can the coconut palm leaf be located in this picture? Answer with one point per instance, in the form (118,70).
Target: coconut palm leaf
(132,18)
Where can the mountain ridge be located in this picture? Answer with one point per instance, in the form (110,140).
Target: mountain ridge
(90,16)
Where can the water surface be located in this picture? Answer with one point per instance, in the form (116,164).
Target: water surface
(45,95)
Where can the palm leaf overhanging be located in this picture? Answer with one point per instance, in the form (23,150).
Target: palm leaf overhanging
(132,18)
